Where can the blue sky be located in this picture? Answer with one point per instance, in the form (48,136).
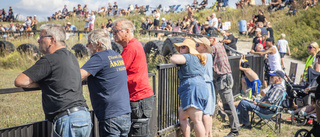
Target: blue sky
(44,8)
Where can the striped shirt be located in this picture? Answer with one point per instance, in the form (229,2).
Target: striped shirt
(274,95)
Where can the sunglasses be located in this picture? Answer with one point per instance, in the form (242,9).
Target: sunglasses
(309,47)
(197,45)
(116,30)
(42,36)
(318,56)
(183,47)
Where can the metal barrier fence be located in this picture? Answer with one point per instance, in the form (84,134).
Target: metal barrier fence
(169,101)
(44,128)
(164,121)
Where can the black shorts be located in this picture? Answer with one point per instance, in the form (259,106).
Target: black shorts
(282,55)
(156,22)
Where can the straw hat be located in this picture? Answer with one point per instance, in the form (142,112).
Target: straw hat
(205,42)
(189,43)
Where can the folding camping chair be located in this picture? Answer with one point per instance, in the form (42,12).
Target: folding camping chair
(270,118)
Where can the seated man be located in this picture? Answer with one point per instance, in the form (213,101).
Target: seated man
(250,79)
(206,30)
(203,4)
(273,97)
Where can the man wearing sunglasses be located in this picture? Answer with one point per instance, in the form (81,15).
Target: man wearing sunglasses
(58,76)
(140,91)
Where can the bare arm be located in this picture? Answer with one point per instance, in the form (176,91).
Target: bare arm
(264,52)
(84,74)
(178,59)
(288,50)
(25,81)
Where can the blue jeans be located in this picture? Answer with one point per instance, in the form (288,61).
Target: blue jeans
(243,110)
(76,124)
(116,126)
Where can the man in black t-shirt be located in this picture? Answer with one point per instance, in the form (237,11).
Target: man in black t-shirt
(229,40)
(256,39)
(109,25)
(58,76)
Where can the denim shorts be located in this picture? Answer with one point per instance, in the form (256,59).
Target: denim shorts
(209,110)
(193,92)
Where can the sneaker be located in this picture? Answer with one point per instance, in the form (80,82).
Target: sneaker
(302,113)
(232,134)
(246,126)
(310,121)
(291,112)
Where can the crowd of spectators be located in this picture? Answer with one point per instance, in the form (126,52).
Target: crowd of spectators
(7,17)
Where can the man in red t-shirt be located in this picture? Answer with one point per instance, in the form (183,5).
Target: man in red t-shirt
(141,94)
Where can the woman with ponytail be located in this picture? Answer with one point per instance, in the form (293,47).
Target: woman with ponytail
(192,90)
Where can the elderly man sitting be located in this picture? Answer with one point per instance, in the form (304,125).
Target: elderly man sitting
(273,97)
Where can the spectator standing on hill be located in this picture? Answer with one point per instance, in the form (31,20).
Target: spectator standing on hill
(223,83)
(194,4)
(270,30)
(64,10)
(156,16)
(115,7)
(86,22)
(140,91)
(92,18)
(283,47)
(58,76)
(34,22)
(107,83)
(194,29)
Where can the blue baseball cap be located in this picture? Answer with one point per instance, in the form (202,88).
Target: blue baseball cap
(277,73)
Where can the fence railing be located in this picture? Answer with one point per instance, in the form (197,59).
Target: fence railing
(164,120)
(44,128)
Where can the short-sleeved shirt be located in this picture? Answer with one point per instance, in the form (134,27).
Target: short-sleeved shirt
(221,63)
(58,75)
(93,17)
(143,26)
(108,84)
(135,61)
(208,71)
(195,28)
(233,42)
(109,25)
(274,95)
(192,68)
(282,43)
(261,18)
(263,31)
(255,41)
